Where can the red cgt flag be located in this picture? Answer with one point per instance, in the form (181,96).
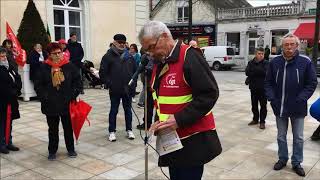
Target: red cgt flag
(20,54)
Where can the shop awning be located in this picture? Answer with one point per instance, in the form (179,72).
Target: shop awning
(305,31)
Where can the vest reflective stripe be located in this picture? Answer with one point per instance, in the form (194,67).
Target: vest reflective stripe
(174,100)
(162,117)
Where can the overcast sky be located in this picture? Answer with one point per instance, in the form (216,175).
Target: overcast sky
(265,2)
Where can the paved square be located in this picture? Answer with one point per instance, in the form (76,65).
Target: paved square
(248,152)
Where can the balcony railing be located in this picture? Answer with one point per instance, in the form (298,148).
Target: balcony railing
(260,12)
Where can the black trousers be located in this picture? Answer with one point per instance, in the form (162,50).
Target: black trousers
(258,96)
(53,123)
(186,173)
(149,108)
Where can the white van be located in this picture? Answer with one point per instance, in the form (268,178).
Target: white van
(219,56)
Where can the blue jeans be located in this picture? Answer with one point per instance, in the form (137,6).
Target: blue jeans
(186,173)
(126,104)
(297,124)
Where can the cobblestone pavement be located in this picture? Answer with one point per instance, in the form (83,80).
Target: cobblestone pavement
(248,152)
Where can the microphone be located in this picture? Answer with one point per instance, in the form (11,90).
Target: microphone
(142,65)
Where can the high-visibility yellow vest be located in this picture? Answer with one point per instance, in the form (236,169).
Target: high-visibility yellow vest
(174,94)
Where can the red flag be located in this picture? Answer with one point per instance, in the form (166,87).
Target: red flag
(20,54)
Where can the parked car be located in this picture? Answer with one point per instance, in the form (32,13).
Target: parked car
(219,57)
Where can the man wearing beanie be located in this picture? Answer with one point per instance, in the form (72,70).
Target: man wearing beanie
(116,69)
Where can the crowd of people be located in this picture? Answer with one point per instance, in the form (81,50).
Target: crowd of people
(170,73)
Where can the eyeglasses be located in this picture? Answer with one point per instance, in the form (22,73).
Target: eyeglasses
(121,42)
(56,53)
(152,46)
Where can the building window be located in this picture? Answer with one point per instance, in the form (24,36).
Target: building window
(67,19)
(233,40)
(183,14)
(276,40)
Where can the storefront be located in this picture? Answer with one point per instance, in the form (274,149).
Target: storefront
(203,34)
(276,36)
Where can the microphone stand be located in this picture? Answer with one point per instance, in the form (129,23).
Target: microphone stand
(146,124)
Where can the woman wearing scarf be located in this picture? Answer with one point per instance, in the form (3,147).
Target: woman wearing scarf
(10,89)
(57,83)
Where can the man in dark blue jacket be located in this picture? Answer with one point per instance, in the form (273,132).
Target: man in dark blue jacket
(291,80)
(116,69)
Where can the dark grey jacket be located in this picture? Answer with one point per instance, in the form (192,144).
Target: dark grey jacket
(116,70)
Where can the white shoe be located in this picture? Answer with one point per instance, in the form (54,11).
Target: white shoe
(112,137)
(130,135)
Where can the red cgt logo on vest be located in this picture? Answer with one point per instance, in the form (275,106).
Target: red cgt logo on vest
(171,81)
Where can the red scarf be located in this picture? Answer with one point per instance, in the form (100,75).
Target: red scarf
(56,71)
(56,65)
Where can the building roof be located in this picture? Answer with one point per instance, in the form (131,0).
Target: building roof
(230,4)
(156,5)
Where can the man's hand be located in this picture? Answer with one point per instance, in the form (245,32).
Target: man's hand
(169,123)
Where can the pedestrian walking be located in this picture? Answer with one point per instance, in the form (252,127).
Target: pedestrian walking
(291,80)
(57,84)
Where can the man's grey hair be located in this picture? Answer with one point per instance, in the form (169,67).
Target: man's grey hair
(291,36)
(153,29)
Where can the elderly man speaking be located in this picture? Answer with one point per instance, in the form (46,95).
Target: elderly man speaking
(291,80)
(184,92)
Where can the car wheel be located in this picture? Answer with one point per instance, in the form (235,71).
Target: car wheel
(216,66)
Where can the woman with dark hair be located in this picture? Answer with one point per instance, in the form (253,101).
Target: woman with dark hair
(10,53)
(133,50)
(57,83)
(35,58)
(135,53)
(10,89)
